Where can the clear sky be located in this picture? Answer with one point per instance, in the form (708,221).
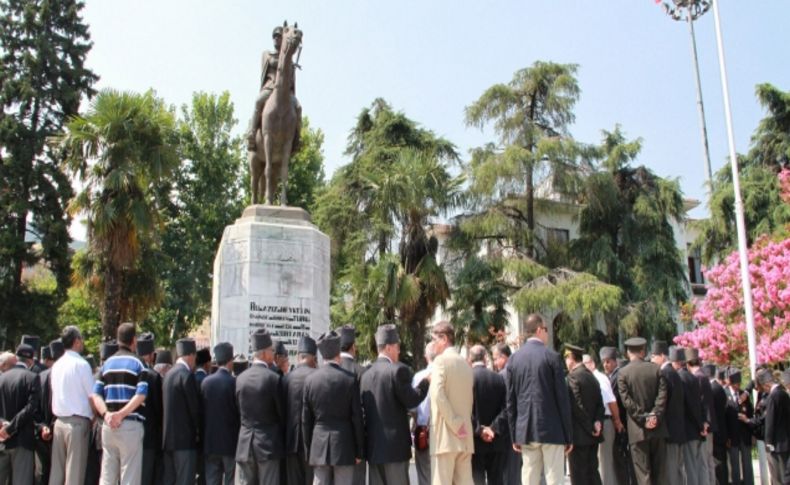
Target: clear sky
(430,59)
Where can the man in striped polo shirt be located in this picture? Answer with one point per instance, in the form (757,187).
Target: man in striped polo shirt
(120,390)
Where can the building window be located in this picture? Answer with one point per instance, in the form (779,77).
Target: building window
(557,236)
(695,267)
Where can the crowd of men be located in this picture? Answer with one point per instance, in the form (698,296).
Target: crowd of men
(520,418)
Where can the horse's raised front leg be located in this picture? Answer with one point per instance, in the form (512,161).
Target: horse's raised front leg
(268,171)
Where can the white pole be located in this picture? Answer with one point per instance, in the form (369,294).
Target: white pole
(739,220)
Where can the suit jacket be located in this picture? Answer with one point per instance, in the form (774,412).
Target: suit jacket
(451,404)
(708,413)
(151,410)
(332,417)
(259,397)
(44,416)
(490,409)
(293,390)
(200,374)
(739,433)
(586,406)
(220,414)
(538,406)
(777,420)
(19,396)
(719,401)
(387,396)
(180,409)
(692,405)
(675,419)
(644,392)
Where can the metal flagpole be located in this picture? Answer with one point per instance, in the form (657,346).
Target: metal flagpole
(739,219)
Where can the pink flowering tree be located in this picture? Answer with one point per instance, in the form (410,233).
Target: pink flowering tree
(721,334)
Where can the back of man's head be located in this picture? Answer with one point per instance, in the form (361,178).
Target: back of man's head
(477,354)
(126,333)
(69,336)
(532,323)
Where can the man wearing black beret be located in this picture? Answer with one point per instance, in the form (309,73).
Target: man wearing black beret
(297,470)
(181,417)
(332,418)
(259,398)
(220,419)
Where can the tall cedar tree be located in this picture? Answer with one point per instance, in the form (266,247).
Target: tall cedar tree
(43,45)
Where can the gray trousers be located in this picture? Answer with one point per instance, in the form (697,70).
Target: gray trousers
(122,454)
(298,472)
(422,462)
(180,467)
(692,461)
(708,463)
(253,472)
(777,462)
(333,475)
(389,473)
(741,469)
(606,454)
(676,472)
(219,469)
(70,441)
(360,473)
(19,468)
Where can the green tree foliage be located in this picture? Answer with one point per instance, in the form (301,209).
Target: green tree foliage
(530,116)
(204,195)
(306,169)
(43,46)
(626,238)
(479,299)
(122,152)
(398,179)
(80,310)
(764,211)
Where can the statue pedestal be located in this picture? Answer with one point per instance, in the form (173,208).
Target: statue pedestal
(271,271)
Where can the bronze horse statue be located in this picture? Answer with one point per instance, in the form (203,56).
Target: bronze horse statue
(277,137)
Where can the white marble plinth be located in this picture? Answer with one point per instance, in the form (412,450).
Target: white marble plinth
(271,271)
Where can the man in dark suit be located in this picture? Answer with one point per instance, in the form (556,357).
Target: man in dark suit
(332,418)
(297,470)
(181,413)
(387,395)
(644,393)
(676,431)
(489,420)
(538,407)
(280,365)
(719,402)
(19,395)
(348,361)
(622,464)
(35,342)
(693,420)
(153,468)
(587,414)
(202,365)
(45,423)
(694,365)
(220,419)
(777,425)
(500,354)
(739,433)
(259,397)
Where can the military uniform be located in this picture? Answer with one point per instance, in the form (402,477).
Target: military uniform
(644,393)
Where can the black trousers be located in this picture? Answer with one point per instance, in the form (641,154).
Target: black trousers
(650,461)
(583,465)
(720,461)
(489,468)
(623,465)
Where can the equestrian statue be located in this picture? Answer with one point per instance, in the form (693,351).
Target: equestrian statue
(273,135)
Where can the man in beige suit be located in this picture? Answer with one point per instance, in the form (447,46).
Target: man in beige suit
(451,440)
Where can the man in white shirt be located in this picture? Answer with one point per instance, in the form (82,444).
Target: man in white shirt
(610,423)
(422,455)
(72,385)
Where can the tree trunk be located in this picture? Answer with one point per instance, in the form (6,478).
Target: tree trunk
(418,344)
(111,306)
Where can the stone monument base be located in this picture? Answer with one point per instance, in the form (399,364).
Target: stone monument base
(271,271)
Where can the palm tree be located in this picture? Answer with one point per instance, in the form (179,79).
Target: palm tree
(120,151)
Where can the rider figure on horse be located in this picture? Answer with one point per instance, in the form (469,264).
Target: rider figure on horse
(268,74)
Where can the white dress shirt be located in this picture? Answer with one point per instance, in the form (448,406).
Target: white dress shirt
(72,384)
(424,408)
(606,391)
